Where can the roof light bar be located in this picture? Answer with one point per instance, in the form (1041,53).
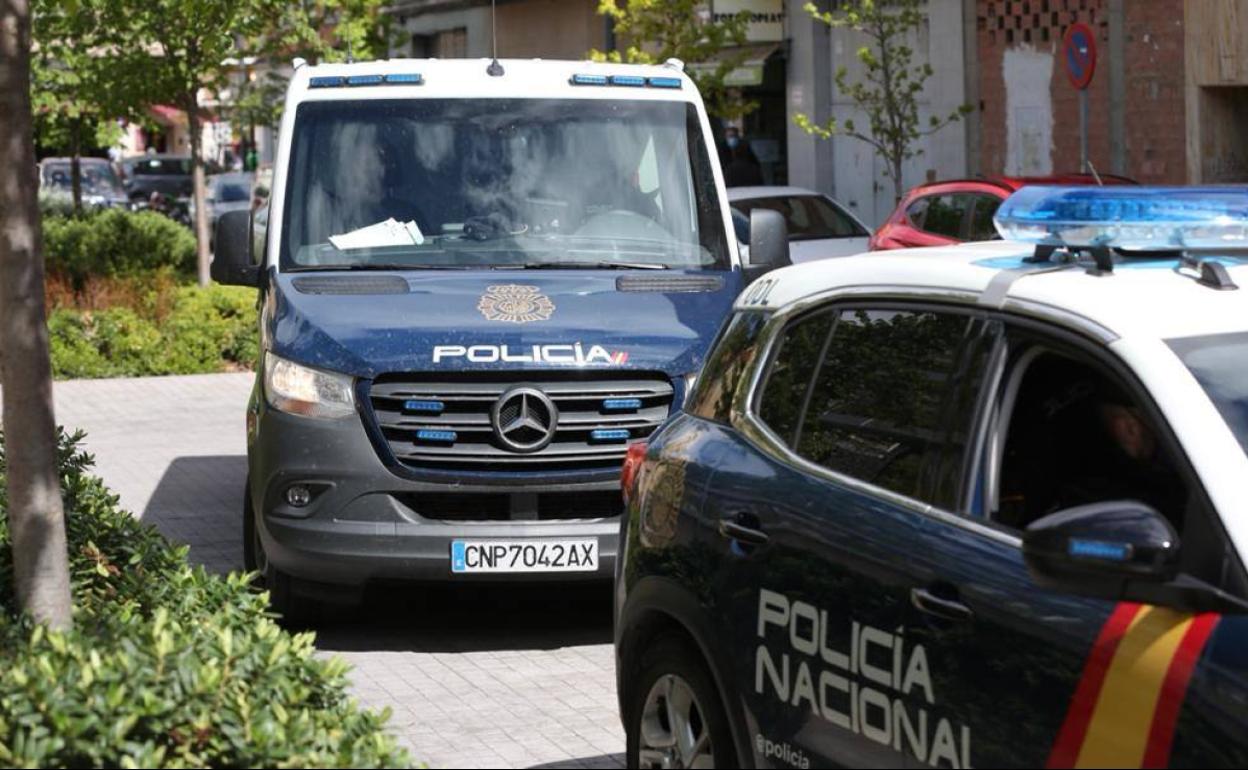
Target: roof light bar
(1128,218)
(365,80)
(632,81)
(327,81)
(339,81)
(666,82)
(628,80)
(406,79)
(589,80)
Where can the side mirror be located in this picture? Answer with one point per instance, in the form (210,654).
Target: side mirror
(1113,550)
(232,263)
(769,240)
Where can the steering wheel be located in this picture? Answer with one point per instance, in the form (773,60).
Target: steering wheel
(622,223)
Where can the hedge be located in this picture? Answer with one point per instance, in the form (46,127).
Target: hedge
(167,665)
(205,330)
(114,242)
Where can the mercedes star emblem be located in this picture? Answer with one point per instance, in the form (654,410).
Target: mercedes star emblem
(524,419)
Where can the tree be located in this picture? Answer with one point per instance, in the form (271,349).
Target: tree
(891,86)
(658,30)
(79,87)
(35,510)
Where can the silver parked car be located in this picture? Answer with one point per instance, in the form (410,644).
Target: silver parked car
(819,227)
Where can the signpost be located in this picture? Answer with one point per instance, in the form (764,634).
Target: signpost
(1079,53)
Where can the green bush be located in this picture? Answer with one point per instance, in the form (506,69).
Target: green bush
(115,242)
(206,330)
(166,666)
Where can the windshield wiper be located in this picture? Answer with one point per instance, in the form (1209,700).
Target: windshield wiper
(581,265)
(373,266)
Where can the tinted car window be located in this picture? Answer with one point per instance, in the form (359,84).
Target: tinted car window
(161,167)
(720,377)
(788,380)
(1219,363)
(982,228)
(880,395)
(808,217)
(945,214)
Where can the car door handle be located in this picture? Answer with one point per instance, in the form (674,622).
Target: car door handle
(734,530)
(948,609)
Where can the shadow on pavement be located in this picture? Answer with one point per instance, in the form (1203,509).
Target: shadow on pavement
(600,761)
(198,501)
(469,618)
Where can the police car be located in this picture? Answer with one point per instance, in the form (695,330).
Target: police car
(970,506)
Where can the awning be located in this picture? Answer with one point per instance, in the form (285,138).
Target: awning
(750,71)
(169,116)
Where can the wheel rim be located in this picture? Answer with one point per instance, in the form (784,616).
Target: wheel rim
(673,733)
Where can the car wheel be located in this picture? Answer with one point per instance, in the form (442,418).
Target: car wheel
(676,717)
(294,608)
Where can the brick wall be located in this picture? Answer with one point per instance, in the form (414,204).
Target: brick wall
(1154,83)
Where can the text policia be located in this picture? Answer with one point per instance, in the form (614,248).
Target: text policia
(864,689)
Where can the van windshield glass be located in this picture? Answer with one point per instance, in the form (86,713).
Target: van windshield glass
(480,183)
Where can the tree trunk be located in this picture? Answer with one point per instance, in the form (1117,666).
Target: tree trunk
(75,166)
(36,516)
(199,194)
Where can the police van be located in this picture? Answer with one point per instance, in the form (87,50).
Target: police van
(480,283)
(974,506)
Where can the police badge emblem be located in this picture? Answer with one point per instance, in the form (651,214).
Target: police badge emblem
(513,303)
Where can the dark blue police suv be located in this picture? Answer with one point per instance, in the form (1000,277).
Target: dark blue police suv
(948,508)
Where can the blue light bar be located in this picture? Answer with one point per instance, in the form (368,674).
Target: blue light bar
(666,82)
(613,434)
(621,404)
(327,81)
(589,80)
(406,79)
(627,80)
(443,436)
(1126,217)
(424,406)
(365,80)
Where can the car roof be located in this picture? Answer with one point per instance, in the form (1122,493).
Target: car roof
(82,160)
(767,191)
(468,78)
(1123,304)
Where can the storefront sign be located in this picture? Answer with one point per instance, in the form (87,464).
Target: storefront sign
(766,18)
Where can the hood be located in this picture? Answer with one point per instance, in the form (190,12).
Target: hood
(366,324)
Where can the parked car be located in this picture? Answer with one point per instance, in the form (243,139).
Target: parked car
(818,226)
(970,506)
(166,174)
(944,213)
(101,187)
(227,192)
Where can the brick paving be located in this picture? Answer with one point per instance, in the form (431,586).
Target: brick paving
(482,678)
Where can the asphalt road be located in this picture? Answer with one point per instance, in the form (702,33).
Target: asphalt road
(482,678)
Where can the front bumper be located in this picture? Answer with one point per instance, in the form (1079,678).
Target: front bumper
(361,525)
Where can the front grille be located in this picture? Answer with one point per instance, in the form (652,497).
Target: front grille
(444,422)
(515,506)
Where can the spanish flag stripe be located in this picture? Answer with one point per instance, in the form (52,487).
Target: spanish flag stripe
(1174,689)
(1074,728)
(1118,732)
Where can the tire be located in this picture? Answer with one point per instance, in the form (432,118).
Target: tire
(294,608)
(670,671)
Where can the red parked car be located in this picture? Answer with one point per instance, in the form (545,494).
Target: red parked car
(942,213)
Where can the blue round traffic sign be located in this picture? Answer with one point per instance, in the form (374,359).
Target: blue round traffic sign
(1079,53)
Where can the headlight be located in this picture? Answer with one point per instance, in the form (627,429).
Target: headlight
(297,389)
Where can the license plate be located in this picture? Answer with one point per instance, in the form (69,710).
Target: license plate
(524,555)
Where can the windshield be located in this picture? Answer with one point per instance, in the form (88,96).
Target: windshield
(459,183)
(1220,364)
(97,178)
(809,217)
(162,167)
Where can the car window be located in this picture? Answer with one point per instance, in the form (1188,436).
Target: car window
(881,393)
(917,212)
(808,217)
(1075,435)
(945,214)
(730,356)
(784,393)
(982,228)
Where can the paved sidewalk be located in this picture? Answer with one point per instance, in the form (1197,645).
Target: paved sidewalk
(485,678)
